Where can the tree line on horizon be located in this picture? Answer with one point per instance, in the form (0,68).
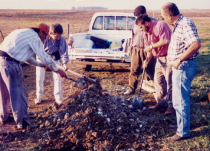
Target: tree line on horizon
(92,7)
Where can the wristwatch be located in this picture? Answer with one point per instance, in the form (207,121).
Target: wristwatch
(179,60)
(150,47)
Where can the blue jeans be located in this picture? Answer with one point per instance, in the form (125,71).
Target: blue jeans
(181,83)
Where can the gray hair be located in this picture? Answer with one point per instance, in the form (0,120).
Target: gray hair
(170,9)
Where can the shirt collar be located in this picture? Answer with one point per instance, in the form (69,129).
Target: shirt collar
(151,27)
(178,20)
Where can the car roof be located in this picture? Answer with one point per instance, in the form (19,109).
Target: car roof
(113,14)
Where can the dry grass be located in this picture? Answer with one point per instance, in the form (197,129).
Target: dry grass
(113,82)
(78,20)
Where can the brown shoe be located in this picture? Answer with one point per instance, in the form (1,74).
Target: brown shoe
(169,111)
(176,138)
(156,106)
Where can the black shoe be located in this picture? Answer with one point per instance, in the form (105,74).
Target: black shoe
(4,122)
(27,124)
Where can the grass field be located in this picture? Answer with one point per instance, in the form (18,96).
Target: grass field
(78,21)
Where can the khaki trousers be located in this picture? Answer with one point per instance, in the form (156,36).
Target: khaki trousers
(163,82)
(138,57)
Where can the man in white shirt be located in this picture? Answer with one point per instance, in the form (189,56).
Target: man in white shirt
(18,47)
(55,46)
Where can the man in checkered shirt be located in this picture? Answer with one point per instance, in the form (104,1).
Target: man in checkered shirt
(182,52)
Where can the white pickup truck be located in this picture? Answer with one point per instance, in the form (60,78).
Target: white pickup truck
(105,43)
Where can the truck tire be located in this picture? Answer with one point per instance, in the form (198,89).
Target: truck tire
(87,68)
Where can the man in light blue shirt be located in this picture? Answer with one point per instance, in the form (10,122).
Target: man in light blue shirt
(54,45)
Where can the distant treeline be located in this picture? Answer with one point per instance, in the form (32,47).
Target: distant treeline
(93,7)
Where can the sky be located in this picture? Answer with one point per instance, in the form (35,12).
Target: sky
(110,4)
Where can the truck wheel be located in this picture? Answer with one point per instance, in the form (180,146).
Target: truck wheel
(87,68)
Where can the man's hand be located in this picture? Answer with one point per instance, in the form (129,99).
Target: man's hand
(65,67)
(176,63)
(42,65)
(61,73)
(129,53)
(145,64)
(147,49)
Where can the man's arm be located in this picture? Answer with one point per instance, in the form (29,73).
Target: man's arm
(64,52)
(131,44)
(192,49)
(148,58)
(33,62)
(38,49)
(164,35)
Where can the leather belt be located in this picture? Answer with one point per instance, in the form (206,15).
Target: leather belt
(162,56)
(5,56)
(190,59)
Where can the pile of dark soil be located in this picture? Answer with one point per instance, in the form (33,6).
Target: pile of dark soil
(93,120)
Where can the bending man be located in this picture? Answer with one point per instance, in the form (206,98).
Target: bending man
(20,46)
(157,36)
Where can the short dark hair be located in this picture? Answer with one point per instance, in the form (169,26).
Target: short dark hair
(139,10)
(142,19)
(35,29)
(56,28)
(171,9)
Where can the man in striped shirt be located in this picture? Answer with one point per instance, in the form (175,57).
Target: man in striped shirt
(55,46)
(157,36)
(136,51)
(18,47)
(182,52)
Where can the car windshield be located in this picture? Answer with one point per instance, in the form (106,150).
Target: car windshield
(120,23)
(113,23)
(98,24)
(130,22)
(109,22)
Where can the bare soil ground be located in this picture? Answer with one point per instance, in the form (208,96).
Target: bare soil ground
(97,118)
(90,119)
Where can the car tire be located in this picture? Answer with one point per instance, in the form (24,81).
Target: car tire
(87,68)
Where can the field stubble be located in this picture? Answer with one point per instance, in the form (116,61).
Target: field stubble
(114,81)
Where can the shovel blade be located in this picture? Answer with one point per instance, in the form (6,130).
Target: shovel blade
(137,102)
(80,83)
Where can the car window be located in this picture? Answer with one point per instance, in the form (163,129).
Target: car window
(130,22)
(109,23)
(120,23)
(98,24)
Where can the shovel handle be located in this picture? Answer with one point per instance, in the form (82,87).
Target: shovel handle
(142,78)
(71,79)
(71,71)
(78,74)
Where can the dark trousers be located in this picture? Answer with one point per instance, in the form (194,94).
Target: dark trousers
(137,59)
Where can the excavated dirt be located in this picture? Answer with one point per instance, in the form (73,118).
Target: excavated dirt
(89,119)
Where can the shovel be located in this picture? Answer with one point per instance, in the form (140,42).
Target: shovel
(79,83)
(137,102)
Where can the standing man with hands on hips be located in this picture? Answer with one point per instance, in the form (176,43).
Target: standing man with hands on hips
(182,52)
(55,46)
